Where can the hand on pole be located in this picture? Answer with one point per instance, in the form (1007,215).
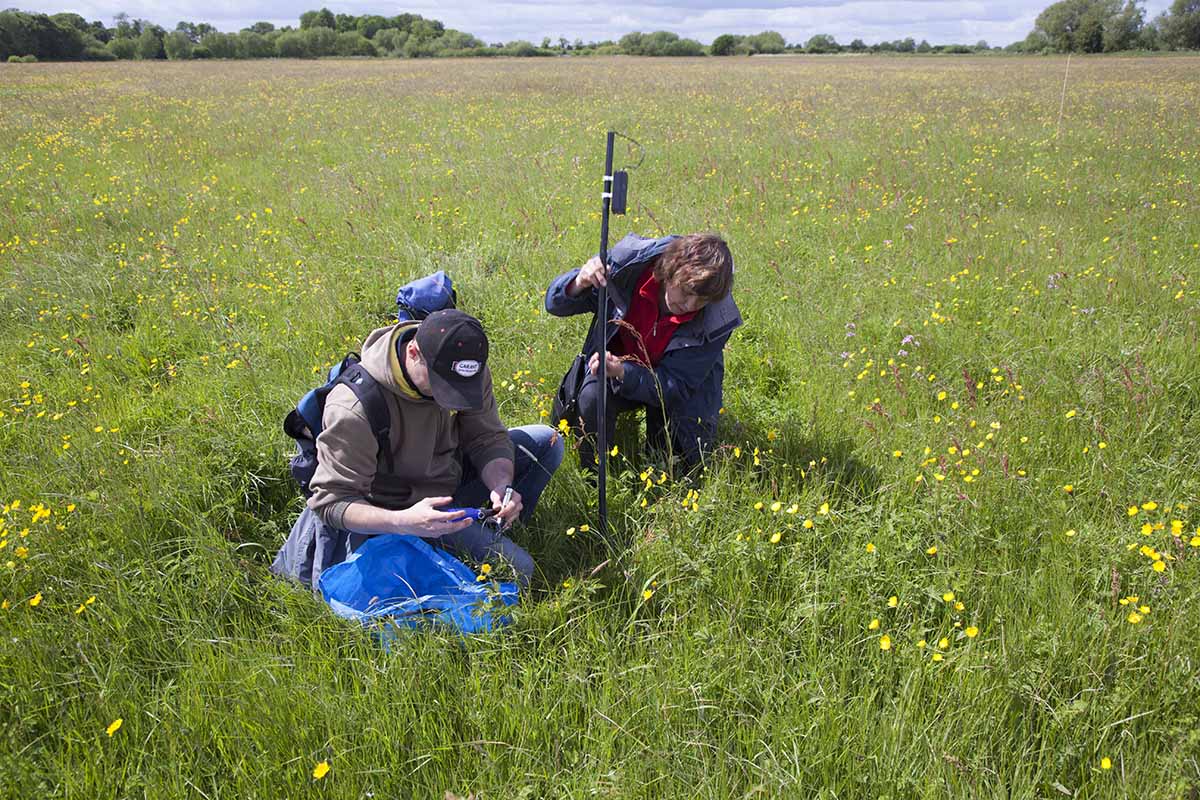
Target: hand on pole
(592,275)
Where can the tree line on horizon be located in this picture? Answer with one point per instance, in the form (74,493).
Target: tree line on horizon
(1075,26)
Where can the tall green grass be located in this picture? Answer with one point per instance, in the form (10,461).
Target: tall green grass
(186,247)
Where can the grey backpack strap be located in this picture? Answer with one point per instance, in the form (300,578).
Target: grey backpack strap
(370,394)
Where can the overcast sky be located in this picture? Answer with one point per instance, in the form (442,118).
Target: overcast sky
(939,21)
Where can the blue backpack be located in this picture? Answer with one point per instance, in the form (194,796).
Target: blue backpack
(415,301)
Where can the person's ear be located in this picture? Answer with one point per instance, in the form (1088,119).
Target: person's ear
(414,352)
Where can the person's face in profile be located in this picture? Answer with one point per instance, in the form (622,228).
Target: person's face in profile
(679,300)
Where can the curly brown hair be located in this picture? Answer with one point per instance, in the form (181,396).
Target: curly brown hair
(700,263)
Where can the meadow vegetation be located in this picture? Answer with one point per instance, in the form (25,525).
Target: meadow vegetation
(950,543)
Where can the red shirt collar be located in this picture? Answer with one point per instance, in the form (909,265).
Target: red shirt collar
(650,289)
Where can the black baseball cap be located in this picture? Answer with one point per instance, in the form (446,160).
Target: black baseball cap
(456,349)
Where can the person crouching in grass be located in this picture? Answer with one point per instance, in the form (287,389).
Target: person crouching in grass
(671,313)
(446,449)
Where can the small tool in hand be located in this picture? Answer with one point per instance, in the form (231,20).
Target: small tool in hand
(493,519)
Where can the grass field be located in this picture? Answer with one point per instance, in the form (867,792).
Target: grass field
(949,547)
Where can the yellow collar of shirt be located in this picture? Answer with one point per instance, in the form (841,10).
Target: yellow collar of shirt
(406,388)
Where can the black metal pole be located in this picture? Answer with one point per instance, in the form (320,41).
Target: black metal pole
(602,310)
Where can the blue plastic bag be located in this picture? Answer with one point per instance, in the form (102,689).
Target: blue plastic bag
(401,578)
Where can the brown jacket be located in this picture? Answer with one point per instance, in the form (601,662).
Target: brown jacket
(427,441)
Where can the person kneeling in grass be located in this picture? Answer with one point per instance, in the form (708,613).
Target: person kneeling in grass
(671,302)
(447,448)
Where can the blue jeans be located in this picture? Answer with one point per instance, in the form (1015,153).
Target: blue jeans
(539,451)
